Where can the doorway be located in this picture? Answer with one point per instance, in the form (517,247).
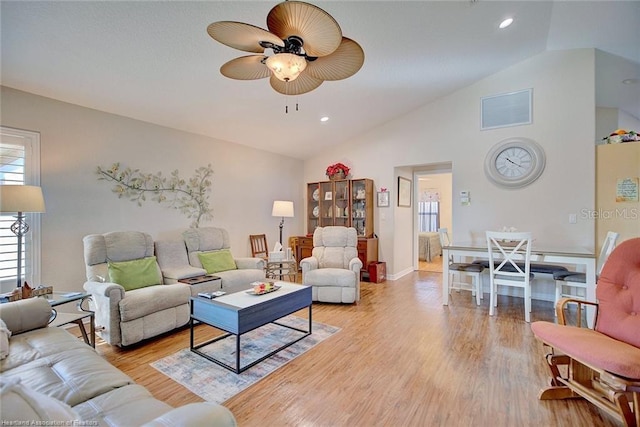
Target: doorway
(433,210)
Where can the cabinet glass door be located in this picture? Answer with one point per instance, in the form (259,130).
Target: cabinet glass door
(326,203)
(313,207)
(362,206)
(341,203)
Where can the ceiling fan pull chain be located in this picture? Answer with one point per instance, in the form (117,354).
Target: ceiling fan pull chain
(286,97)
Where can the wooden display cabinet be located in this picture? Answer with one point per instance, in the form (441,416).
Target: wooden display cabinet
(347,203)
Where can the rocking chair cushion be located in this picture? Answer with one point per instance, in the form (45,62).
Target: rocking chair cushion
(618,294)
(591,347)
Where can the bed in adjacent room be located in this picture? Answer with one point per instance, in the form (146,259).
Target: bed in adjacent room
(428,246)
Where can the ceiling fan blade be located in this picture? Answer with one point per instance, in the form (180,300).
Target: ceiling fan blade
(246,68)
(320,33)
(241,36)
(341,64)
(303,84)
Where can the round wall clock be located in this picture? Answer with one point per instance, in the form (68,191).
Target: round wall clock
(514,162)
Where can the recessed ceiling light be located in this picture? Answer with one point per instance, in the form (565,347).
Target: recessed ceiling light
(630,81)
(505,23)
(324,119)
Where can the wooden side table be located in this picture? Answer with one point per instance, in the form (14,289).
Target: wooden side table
(302,246)
(279,269)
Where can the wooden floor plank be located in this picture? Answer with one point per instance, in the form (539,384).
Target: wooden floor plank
(401,359)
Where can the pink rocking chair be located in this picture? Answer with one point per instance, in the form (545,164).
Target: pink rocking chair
(601,365)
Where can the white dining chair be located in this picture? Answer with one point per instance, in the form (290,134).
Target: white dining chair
(462,269)
(507,268)
(575,280)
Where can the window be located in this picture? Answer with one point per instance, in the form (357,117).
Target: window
(19,165)
(428,216)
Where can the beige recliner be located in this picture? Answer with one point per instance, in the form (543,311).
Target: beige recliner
(333,269)
(208,240)
(124,317)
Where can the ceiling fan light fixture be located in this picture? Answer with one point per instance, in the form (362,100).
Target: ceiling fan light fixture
(286,66)
(307,43)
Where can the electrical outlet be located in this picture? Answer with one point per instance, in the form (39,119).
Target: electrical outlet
(573,218)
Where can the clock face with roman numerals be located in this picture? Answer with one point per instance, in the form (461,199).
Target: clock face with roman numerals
(514,163)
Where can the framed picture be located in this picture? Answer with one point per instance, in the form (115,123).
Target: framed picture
(404,192)
(383,199)
(328,195)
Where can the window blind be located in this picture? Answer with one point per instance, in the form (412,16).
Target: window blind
(19,165)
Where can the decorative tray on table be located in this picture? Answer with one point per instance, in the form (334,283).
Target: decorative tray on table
(261,288)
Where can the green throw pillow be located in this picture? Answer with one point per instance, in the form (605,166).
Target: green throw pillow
(217,261)
(135,274)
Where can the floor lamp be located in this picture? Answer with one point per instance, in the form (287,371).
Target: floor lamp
(284,210)
(20,199)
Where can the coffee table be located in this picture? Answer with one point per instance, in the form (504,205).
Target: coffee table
(241,312)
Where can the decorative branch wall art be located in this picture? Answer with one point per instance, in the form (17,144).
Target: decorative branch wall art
(190,197)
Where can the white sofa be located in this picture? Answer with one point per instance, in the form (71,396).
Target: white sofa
(49,377)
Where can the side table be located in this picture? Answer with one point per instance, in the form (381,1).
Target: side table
(61,319)
(279,269)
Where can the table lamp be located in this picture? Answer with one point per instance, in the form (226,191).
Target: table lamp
(20,199)
(283,209)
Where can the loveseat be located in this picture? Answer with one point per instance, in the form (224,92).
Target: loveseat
(134,284)
(49,377)
(135,304)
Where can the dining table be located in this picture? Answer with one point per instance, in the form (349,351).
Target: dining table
(583,258)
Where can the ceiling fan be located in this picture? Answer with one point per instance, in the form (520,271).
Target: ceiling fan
(307,44)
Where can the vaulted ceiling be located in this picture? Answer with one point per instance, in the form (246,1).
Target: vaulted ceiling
(153,60)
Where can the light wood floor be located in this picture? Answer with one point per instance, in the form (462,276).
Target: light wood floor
(401,359)
(434,266)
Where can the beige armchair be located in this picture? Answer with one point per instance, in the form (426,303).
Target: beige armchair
(133,304)
(333,269)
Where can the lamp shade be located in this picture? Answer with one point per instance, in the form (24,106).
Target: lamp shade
(282,208)
(21,198)
(286,66)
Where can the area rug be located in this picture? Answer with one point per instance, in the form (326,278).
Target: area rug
(216,384)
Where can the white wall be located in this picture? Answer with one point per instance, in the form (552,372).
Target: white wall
(628,122)
(606,122)
(75,140)
(448,131)
(611,92)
